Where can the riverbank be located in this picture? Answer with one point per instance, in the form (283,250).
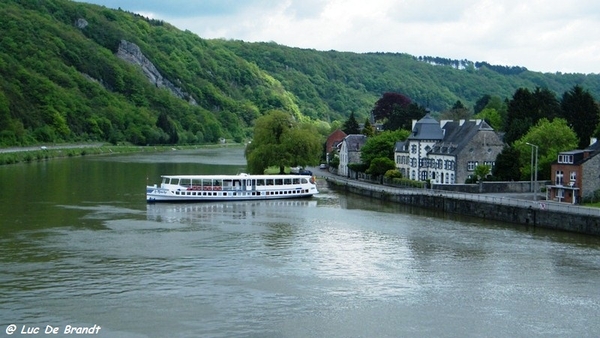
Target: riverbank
(42,153)
(528,212)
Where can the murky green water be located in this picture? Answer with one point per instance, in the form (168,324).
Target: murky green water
(80,247)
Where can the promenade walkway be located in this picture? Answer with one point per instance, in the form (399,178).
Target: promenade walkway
(524,200)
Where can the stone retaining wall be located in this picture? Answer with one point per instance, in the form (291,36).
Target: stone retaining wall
(585,224)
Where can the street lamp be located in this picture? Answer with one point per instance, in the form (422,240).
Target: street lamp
(534,180)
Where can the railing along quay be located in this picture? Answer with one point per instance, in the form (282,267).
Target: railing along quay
(484,198)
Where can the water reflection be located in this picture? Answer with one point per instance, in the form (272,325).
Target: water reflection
(189,213)
(80,246)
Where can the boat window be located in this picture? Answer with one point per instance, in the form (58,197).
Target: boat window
(296,181)
(270,181)
(165,180)
(185,182)
(174,181)
(304,180)
(278,181)
(260,182)
(287,181)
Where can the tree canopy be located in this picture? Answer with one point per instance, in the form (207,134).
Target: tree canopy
(281,141)
(551,137)
(388,103)
(62,80)
(402,117)
(381,146)
(581,113)
(351,125)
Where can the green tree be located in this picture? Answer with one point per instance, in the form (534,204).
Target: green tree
(526,109)
(351,126)
(481,103)
(581,112)
(303,144)
(402,117)
(551,138)
(492,116)
(457,112)
(368,129)
(381,146)
(481,172)
(280,141)
(380,165)
(507,165)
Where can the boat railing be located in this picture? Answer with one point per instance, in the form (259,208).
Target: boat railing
(209,188)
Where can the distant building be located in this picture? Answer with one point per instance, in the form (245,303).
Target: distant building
(447,152)
(350,153)
(575,175)
(333,140)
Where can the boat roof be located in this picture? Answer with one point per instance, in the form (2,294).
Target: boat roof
(234,177)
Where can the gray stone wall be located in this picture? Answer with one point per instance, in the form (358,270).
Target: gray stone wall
(584,224)
(492,187)
(591,177)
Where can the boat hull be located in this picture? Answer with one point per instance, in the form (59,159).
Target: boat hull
(159,199)
(243,187)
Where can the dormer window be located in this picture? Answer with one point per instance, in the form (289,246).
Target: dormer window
(567,159)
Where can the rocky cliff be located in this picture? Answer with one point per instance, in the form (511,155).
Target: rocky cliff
(132,53)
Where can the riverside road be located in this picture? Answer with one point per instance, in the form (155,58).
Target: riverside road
(521,200)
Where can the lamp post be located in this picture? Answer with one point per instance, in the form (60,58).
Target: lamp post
(534,178)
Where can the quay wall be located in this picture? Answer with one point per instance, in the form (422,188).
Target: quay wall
(492,187)
(517,212)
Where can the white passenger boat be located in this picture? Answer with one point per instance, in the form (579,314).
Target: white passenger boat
(197,188)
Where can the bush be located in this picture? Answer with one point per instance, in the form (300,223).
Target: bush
(393,173)
(406,182)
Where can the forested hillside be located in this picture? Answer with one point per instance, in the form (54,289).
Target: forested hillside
(69,71)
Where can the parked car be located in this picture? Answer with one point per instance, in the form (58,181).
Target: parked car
(323,166)
(305,172)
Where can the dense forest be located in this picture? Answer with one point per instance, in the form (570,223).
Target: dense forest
(63,79)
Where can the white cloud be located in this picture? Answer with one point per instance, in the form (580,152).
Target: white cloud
(542,35)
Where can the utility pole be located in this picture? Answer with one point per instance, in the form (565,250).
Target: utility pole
(534,175)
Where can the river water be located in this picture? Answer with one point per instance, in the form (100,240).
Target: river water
(80,248)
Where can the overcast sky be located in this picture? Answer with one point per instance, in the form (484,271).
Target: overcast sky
(542,35)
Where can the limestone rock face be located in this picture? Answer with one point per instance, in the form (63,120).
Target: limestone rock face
(132,53)
(81,23)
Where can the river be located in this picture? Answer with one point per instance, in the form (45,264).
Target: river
(81,250)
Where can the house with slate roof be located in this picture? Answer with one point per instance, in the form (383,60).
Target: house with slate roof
(575,175)
(350,153)
(446,152)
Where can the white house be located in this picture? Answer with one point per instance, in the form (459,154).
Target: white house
(446,152)
(350,152)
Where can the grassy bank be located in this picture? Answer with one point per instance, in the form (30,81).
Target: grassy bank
(27,156)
